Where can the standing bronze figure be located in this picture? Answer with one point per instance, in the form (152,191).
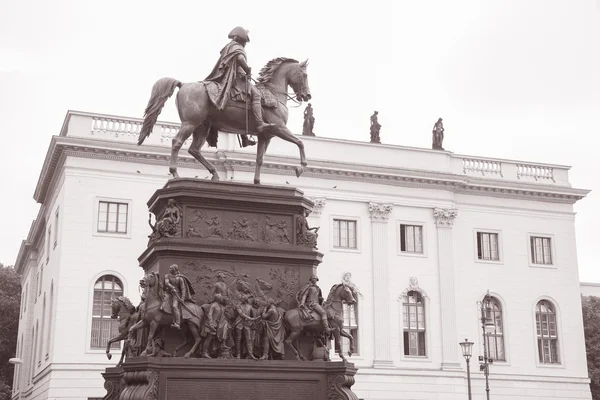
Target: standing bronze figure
(273,332)
(219,104)
(243,327)
(438,135)
(375,127)
(309,121)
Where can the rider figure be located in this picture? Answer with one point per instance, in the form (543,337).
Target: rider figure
(312,297)
(232,70)
(181,291)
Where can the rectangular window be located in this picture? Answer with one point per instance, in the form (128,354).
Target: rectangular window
(112,217)
(541,251)
(344,234)
(411,238)
(56,227)
(487,246)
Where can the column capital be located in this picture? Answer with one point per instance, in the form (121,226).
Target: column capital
(444,217)
(380,211)
(319,203)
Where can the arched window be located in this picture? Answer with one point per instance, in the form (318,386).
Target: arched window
(50,316)
(103,327)
(495,339)
(414,324)
(32,355)
(547,332)
(350,313)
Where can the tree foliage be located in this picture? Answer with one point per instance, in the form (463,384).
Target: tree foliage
(10,295)
(591,326)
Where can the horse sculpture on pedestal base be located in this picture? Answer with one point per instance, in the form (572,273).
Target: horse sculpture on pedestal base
(154,316)
(200,118)
(295,324)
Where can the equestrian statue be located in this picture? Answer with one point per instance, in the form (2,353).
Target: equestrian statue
(319,318)
(222,103)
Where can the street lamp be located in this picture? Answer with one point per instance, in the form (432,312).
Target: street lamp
(466,350)
(488,326)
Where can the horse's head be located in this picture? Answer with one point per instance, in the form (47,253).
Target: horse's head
(115,308)
(298,80)
(347,295)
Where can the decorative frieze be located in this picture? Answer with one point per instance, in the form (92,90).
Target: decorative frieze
(413,287)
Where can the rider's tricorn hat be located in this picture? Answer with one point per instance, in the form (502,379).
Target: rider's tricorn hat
(239,32)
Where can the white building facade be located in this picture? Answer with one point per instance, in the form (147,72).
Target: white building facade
(424,234)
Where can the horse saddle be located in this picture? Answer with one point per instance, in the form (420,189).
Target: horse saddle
(166,305)
(238,93)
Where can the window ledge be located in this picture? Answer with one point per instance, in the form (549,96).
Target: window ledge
(416,359)
(113,235)
(556,366)
(345,250)
(546,266)
(411,254)
(497,262)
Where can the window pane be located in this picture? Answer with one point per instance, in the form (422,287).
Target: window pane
(418,239)
(410,242)
(421,337)
(402,237)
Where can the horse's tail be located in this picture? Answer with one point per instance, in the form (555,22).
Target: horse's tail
(161,91)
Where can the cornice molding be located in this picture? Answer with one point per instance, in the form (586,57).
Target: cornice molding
(62,147)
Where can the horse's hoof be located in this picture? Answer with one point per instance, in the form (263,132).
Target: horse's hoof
(215,177)
(299,171)
(257,182)
(186,355)
(350,353)
(174,354)
(109,356)
(173,171)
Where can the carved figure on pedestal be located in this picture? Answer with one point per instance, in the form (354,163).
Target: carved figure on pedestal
(220,103)
(216,325)
(213,226)
(438,135)
(246,315)
(347,280)
(297,322)
(241,230)
(157,313)
(375,128)
(306,235)
(159,348)
(273,332)
(275,231)
(181,290)
(309,121)
(168,225)
(310,298)
(219,287)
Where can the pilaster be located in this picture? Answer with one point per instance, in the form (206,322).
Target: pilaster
(444,220)
(379,227)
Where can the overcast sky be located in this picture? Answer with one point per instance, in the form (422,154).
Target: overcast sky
(513,79)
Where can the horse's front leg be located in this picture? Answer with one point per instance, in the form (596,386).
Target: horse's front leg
(150,345)
(350,338)
(281,131)
(338,343)
(125,349)
(117,338)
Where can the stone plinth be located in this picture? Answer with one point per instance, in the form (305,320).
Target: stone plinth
(145,378)
(246,232)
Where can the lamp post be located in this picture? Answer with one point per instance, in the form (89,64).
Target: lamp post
(488,326)
(466,350)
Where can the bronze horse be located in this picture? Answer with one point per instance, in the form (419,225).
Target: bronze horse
(199,117)
(154,316)
(124,311)
(339,294)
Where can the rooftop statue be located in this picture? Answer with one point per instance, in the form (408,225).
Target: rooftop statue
(222,103)
(375,128)
(309,121)
(438,135)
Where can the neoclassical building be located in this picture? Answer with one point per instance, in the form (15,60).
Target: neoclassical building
(422,234)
